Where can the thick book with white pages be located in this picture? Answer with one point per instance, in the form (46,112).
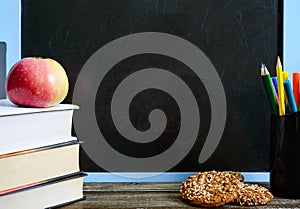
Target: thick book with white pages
(20,169)
(50,193)
(25,128)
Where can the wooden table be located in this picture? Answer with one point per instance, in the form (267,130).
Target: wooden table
(149,196)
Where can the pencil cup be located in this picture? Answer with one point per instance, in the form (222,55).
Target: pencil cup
(285,155)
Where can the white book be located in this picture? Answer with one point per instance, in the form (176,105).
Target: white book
(23,128)
(20,169)
(47,194)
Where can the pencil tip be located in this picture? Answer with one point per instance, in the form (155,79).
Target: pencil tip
(263,69)
(278,62)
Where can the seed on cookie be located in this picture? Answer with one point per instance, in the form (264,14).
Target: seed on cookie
(211,188)
(253,194)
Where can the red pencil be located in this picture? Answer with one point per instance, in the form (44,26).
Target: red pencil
(296,86)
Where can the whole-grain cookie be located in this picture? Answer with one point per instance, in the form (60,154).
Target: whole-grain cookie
(236,174)
(253,194)
(211,188)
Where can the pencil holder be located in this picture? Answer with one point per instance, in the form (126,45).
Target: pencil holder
(285,155)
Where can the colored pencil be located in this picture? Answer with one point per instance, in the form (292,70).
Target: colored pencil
(281,102)
(274,81)
(269,87)
(296,86)
(285,76)
(290,96)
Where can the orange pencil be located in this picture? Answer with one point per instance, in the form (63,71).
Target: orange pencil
(296,87)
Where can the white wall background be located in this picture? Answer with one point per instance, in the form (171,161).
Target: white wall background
(10,16)
(291,36)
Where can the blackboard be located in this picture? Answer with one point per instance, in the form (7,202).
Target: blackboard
(162,85)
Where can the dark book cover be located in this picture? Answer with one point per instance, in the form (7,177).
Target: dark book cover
(39,149)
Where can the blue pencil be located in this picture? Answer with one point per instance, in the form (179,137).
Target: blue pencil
(275,84)
(290,96)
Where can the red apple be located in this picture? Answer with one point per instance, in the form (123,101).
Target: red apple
(37,82)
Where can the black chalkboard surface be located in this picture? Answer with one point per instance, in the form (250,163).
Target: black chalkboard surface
(162,85)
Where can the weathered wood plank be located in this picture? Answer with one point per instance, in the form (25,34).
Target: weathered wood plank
(147,186)
(149,196)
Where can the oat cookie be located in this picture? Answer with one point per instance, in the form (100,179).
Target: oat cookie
(211,188)
(253,194)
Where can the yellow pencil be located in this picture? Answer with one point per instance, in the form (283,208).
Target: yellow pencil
(285,76)
(281,103)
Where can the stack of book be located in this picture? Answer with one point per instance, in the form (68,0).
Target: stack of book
(39,158)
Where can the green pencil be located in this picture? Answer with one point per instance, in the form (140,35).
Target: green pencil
(269,88)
